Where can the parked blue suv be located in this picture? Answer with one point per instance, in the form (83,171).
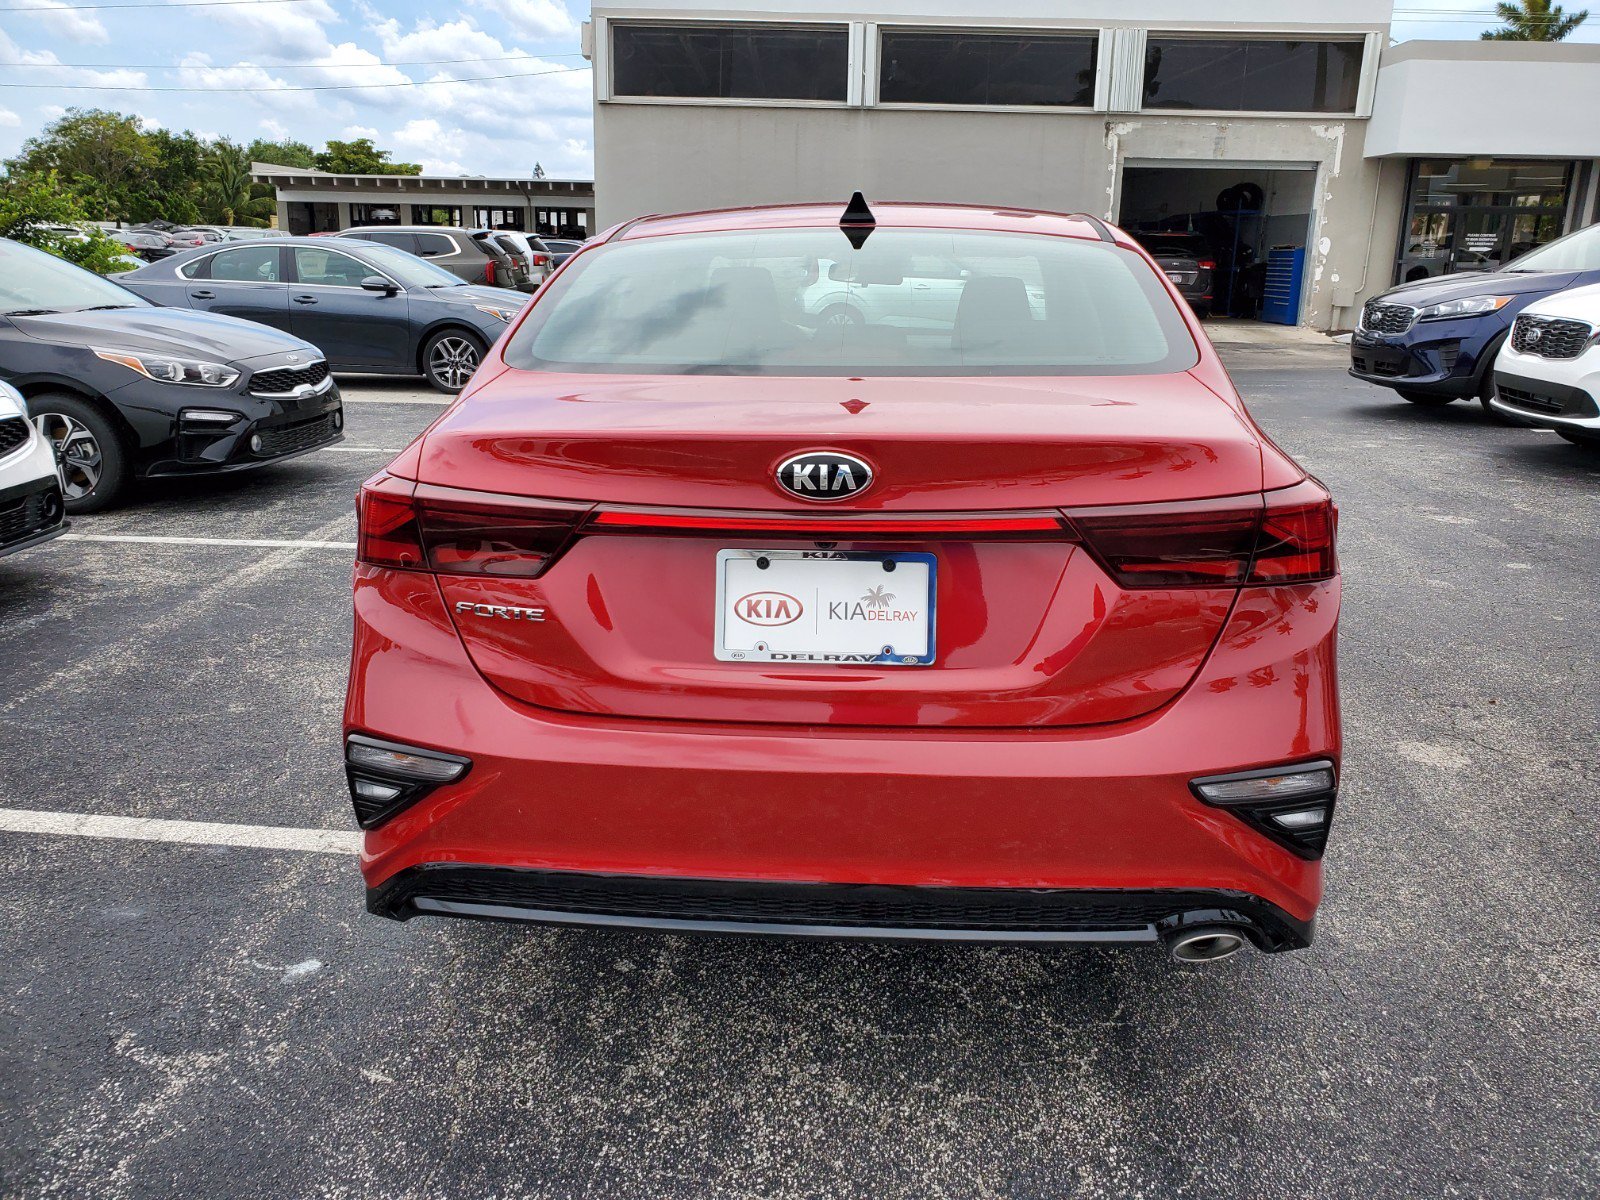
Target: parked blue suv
(1435,340)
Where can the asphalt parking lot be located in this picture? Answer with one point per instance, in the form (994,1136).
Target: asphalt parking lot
(184,1019)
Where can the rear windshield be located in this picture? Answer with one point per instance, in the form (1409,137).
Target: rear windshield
(805,302)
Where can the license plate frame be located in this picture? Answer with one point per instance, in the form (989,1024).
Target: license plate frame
(757,648)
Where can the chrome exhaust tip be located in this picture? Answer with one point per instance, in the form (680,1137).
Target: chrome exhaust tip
(1205,944)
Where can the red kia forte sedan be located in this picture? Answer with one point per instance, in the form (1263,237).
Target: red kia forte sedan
(823,570)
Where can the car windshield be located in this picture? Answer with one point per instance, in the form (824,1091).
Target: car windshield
(1576,252)
(407,268)
(806,302)
(32,281)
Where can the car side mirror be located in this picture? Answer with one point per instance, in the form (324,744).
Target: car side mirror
(377,283)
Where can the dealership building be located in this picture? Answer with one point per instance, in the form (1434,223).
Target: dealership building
(322,202)
(1320,163)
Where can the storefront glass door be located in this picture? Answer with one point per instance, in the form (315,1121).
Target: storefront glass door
(1479,214)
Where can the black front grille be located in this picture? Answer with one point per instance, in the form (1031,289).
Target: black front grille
(1550,337)
(1448,353)
(286,379)
(1522,398)
(287,439)
(1375,366)
(1378,317)
(13,433)
(644,899)
(30,515)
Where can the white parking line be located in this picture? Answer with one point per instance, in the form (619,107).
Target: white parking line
(365,449)
(259,543)
(192,833)
(439,403)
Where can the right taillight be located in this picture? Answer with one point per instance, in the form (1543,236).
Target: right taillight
(451,531)
(1284,536)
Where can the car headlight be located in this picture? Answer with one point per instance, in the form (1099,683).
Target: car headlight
(165,369)
(1472,306)
(505,314)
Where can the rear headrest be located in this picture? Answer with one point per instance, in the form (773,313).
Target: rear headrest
(993,315)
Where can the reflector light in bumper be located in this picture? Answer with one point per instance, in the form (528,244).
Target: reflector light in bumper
(386,777)
(1292,805)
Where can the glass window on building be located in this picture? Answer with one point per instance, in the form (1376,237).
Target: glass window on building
(921,66)
(1252,75)
(498,218)
(1478,214)
(375,214)
(737,62)
(436,214)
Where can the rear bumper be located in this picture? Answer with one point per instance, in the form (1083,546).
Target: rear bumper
(872,911)
(933,812)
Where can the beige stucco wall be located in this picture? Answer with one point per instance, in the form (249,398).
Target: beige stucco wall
(671,158)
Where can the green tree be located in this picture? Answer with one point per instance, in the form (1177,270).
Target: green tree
(228,195)
(37,210)
(102,157)
(1533,21)
(288,153)
(173,192)
(361,157)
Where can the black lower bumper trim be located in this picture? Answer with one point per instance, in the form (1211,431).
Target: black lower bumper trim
(676,904)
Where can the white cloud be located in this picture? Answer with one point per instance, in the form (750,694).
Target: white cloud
(288,31)
(9,119)
(59,17)
(275,129)
(533,18)
(12,54)
(351,133)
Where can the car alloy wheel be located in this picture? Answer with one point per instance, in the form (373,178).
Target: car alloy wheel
(452,360)
(77,450)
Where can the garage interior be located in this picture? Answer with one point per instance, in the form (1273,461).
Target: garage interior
(1256,219)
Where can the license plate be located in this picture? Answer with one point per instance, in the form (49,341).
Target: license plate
(1180,276)
(828,607)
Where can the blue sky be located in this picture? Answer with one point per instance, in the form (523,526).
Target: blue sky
(245,63)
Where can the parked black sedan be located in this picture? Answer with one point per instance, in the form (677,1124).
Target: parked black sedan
(366,306)
(127,390)
(1186,259)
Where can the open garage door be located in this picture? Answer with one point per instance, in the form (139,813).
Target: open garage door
(1253,219)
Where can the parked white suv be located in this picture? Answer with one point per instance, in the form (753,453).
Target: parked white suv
(31,506)
(1548,372)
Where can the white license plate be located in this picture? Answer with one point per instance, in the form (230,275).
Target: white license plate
(819,606)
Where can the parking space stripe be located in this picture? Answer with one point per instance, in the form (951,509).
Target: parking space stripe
(192,833)
(365,449)
(439,403)
(259,543)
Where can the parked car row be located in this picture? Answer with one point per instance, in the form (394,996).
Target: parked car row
(494,257)
(220,356)
(1523,340)
(162,239)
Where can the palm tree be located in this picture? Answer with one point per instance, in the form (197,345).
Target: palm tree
(230,197)
(1533,21)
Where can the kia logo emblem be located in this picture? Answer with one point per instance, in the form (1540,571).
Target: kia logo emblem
(768,608)
(1534,334)
(824,475)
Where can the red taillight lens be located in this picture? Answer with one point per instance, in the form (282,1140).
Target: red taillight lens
(1298,534)
(1207,264)
(1194,544)
(1216,543)
(477,533)
(455,532)
(539,260)
(488,271)
(387,523)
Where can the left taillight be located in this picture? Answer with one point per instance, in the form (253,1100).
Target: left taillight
(450,531)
